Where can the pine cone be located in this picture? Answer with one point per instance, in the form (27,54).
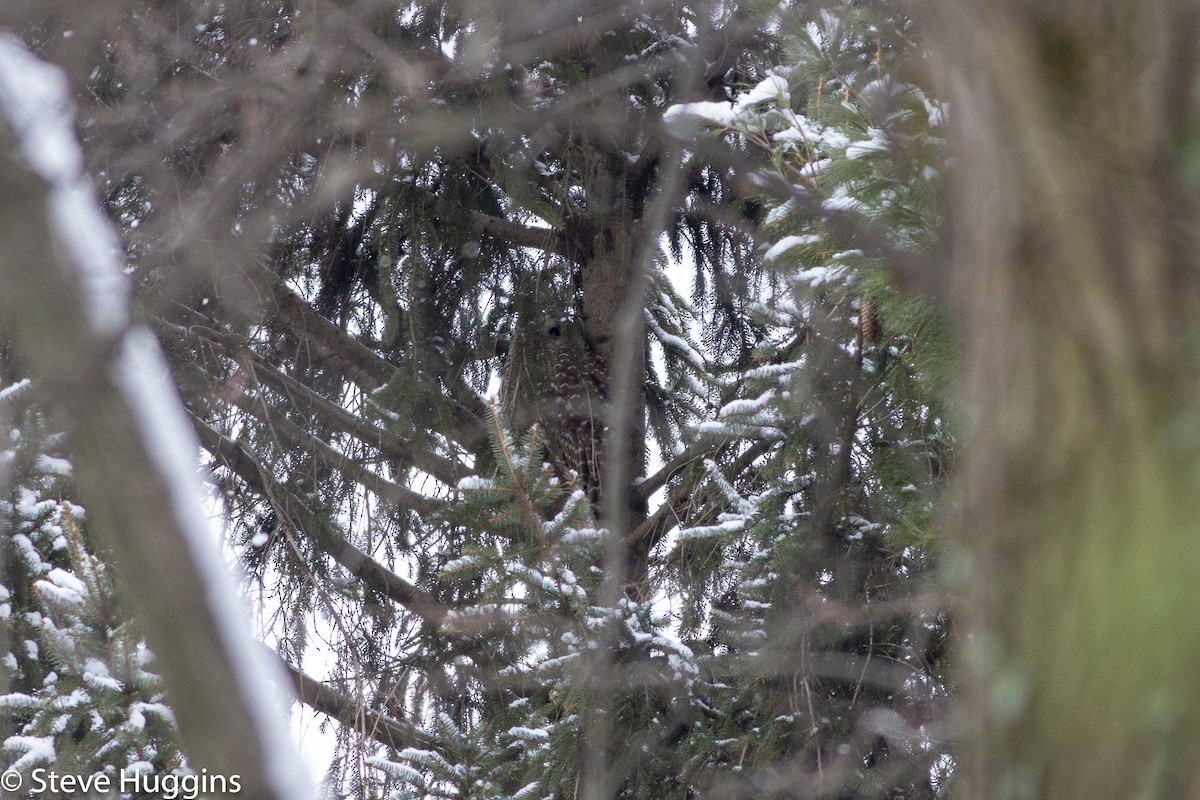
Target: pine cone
(868,321)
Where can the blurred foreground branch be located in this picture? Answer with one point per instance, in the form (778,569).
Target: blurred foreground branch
(64,300)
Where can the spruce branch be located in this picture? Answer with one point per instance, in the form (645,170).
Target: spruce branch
(544,239)
(204,332)
(373,574)
(324,699)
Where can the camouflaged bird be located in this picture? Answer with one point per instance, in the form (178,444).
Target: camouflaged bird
(552,377)
(574,416)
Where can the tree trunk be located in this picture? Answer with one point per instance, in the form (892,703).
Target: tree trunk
(1075,286)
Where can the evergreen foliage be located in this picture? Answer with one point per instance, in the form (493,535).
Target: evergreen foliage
(412,480)
(82,697)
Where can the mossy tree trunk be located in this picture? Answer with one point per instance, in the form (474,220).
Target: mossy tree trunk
(1076,286)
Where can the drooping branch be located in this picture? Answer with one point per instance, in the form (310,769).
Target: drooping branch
(359,364)
(705,448)
(324,341)
(363,366)
(373,574)
(326,700)
(385,489)
(256,405)
(648,534)
(202,331)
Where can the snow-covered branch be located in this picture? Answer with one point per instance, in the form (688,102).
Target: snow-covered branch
(65,300)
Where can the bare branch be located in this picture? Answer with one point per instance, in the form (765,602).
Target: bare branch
(545,239)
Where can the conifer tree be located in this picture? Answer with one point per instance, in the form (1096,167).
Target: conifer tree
(81,694)
(568,530)
(845,405)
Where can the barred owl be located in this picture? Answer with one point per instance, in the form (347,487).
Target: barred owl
(574,414)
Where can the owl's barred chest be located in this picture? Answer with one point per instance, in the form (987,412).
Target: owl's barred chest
(575,419)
